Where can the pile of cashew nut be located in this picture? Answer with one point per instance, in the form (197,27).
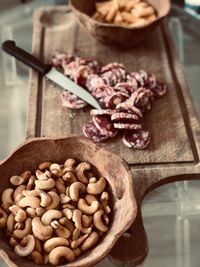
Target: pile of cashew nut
(58,212)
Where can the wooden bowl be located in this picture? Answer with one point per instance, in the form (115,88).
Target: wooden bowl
(112,167)
(112,34)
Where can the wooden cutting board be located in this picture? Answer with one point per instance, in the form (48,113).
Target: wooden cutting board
(174,150)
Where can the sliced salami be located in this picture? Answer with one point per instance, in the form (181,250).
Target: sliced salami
(94,112)
(94,81)
(72,101)
(159,89)
(126,88)
(105,126)
(103,93)
(124,117)
(139,139)
(128,106)
(142,99)
(81,74)
(60,58)
(128,126)
(116,99)
(93,133)
(132,81)
(112,66)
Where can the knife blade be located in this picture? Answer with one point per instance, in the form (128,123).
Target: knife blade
(49,72)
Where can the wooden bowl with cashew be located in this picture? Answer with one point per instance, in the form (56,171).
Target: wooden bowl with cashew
(115,170)
(118,35)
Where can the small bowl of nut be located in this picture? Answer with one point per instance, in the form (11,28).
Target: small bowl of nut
(63,202)
(120,22)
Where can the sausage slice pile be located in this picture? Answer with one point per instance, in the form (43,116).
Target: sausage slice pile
(125,97)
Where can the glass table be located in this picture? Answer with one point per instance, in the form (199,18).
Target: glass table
(172,212)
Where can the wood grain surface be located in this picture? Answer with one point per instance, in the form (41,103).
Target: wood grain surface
(174,151)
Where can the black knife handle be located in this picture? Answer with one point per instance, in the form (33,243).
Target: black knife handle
(23,56)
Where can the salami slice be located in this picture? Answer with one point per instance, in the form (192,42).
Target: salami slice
(128,106)
(112,66)
(125,87)
(81,74)
(159,90)
(139,139)
(94,81)
(128,126)
(142,98)
(103,93)
(132,81)
(105,126)
(60,58)
(115,99)
(94,112)
(124,117)
(93,133)
(72,101)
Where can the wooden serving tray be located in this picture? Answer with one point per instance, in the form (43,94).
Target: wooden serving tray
(174,151)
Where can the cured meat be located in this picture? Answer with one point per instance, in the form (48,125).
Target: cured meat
(60,58)
(103,93)
(94,81)
(115,99)
(128,126)
(159,90)
(124,117)
(142,99)
(92,132)
(72,101)
(81,74)
(127,106)
(139,139)
(126,88)
(94,112)
(111,66)
(105,126)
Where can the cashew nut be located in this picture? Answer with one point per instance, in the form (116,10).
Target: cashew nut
(90,241)
(18,191)
(87,220)
(40,211)
(76,233)
(87,209)
(70,177)
(69,206)
(30,193)
(93,180)
(64,199)
(20,179)
(19,225)
(59,252)
(37,257)
(45,199)
(62,231)
(98,223)
(10,223)
(21,233)
(67,223)
(3,218)
(38,245)
(69,165)
(20,214)
(80,169)
(68,213)
(44,165)
(104,202)
(7,199)
(31,182)
(55,169)
(54,242)
(60,186)
(41,231)
(96,188)
(28,249)
(42,176)
(74,190)
(76,243)
(50,215)
(46,184)
(31,212)
(33,202)
(77,216)
(55,200)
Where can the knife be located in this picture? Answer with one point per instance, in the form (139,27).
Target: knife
(49,72)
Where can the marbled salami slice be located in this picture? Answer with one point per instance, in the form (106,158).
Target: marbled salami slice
(127,106)
(116,99)
(94,81)
(142,99)
(159,89)
(139,139)
(81,74)
(125,87)
(124,117)
(60,58)
(105,126)
(93,133)
(112,66)
(94,112)
(72,101)
(128,126)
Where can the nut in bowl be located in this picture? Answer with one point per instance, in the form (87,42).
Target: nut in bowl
(131,29)
(30,215)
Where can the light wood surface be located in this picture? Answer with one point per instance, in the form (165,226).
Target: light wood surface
(174,151)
